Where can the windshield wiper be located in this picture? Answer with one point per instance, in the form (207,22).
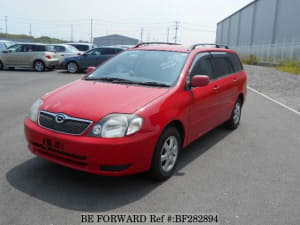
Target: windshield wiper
(125,81)
(113,80)
(153,83)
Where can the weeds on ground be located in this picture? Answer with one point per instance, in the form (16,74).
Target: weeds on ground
(292,66)
(250,59)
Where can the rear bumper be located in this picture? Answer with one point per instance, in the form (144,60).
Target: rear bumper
(111,157)
(52,63)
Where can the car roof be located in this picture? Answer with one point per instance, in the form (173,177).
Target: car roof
(78,43)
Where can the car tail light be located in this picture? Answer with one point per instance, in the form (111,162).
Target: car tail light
(78,53)
(48,56)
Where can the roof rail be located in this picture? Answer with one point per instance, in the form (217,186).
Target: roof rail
(204,44)
(155,43)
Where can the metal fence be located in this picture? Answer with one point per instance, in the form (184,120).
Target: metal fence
(271,53)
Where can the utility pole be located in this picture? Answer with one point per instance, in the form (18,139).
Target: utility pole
(6,31)
(168,33)
(30,31)
(142,34)
(92,30)
(176,31)
(72,32)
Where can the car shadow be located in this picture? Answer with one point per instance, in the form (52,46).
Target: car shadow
(81,191)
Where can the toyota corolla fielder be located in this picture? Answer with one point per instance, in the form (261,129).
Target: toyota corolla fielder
(137,111)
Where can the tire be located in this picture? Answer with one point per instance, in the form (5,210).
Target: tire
(72,67)
(39,66)
(235,117)
(166,154)
(1,66)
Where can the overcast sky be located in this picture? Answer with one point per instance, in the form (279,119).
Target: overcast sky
(197,18)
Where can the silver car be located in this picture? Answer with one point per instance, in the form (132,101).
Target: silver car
(29,55)
(64,51)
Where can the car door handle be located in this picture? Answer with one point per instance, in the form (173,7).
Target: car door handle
(216,87)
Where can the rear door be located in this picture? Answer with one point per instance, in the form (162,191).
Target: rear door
(226,79)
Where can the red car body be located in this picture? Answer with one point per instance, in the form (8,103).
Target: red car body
(159,107)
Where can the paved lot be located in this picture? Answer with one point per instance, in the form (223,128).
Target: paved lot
(249,176)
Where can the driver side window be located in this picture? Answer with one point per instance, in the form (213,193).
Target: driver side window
(95,52)
(202,66)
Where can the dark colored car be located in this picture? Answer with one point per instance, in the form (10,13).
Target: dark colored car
(92,57)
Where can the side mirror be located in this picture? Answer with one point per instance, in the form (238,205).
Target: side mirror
(199,81)
(90,70)
(84,54)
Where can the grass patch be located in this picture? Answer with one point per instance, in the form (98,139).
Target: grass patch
(250,59)
(290,67)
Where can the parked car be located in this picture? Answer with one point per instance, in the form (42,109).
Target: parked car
(64,51)
(4,44)
(83,46)
(137,111)
(92,57)
(29,55)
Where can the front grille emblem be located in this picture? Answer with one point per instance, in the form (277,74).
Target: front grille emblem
(60,118)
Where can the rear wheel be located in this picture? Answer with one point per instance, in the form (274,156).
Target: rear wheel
(166,154)
(1,66)
(72,67)
(39,66)
(235,117)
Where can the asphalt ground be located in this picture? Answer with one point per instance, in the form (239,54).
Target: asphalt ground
(249,176)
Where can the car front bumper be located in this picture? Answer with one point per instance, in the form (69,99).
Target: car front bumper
(103,156)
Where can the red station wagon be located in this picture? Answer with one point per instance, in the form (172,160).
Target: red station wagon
(138,110)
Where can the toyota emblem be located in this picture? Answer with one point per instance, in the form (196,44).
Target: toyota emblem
(60,118)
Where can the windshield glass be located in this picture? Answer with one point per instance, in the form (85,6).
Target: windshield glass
(143,66)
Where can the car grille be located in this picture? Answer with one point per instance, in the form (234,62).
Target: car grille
(69,125)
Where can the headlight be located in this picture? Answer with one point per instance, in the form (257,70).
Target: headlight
(117,125)
(34,110)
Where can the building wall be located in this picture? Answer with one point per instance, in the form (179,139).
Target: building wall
(115,40)
(261,22)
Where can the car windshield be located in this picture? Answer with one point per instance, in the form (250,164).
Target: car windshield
(154,68)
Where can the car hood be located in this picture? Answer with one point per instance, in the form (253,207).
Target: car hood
(93,100)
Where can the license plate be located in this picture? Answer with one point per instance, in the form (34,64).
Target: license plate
(53,144)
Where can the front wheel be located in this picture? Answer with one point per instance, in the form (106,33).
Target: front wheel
(39,66)
(235,117)
(166,154)
(72,67)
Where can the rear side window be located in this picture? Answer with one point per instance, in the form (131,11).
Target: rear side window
(108,51)
(38,48)
(82,48)
(222,64)
(59,48)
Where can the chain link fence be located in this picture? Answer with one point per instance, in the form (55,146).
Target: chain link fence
(271,53)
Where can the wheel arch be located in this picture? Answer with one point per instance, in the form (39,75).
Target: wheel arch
(180,127)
